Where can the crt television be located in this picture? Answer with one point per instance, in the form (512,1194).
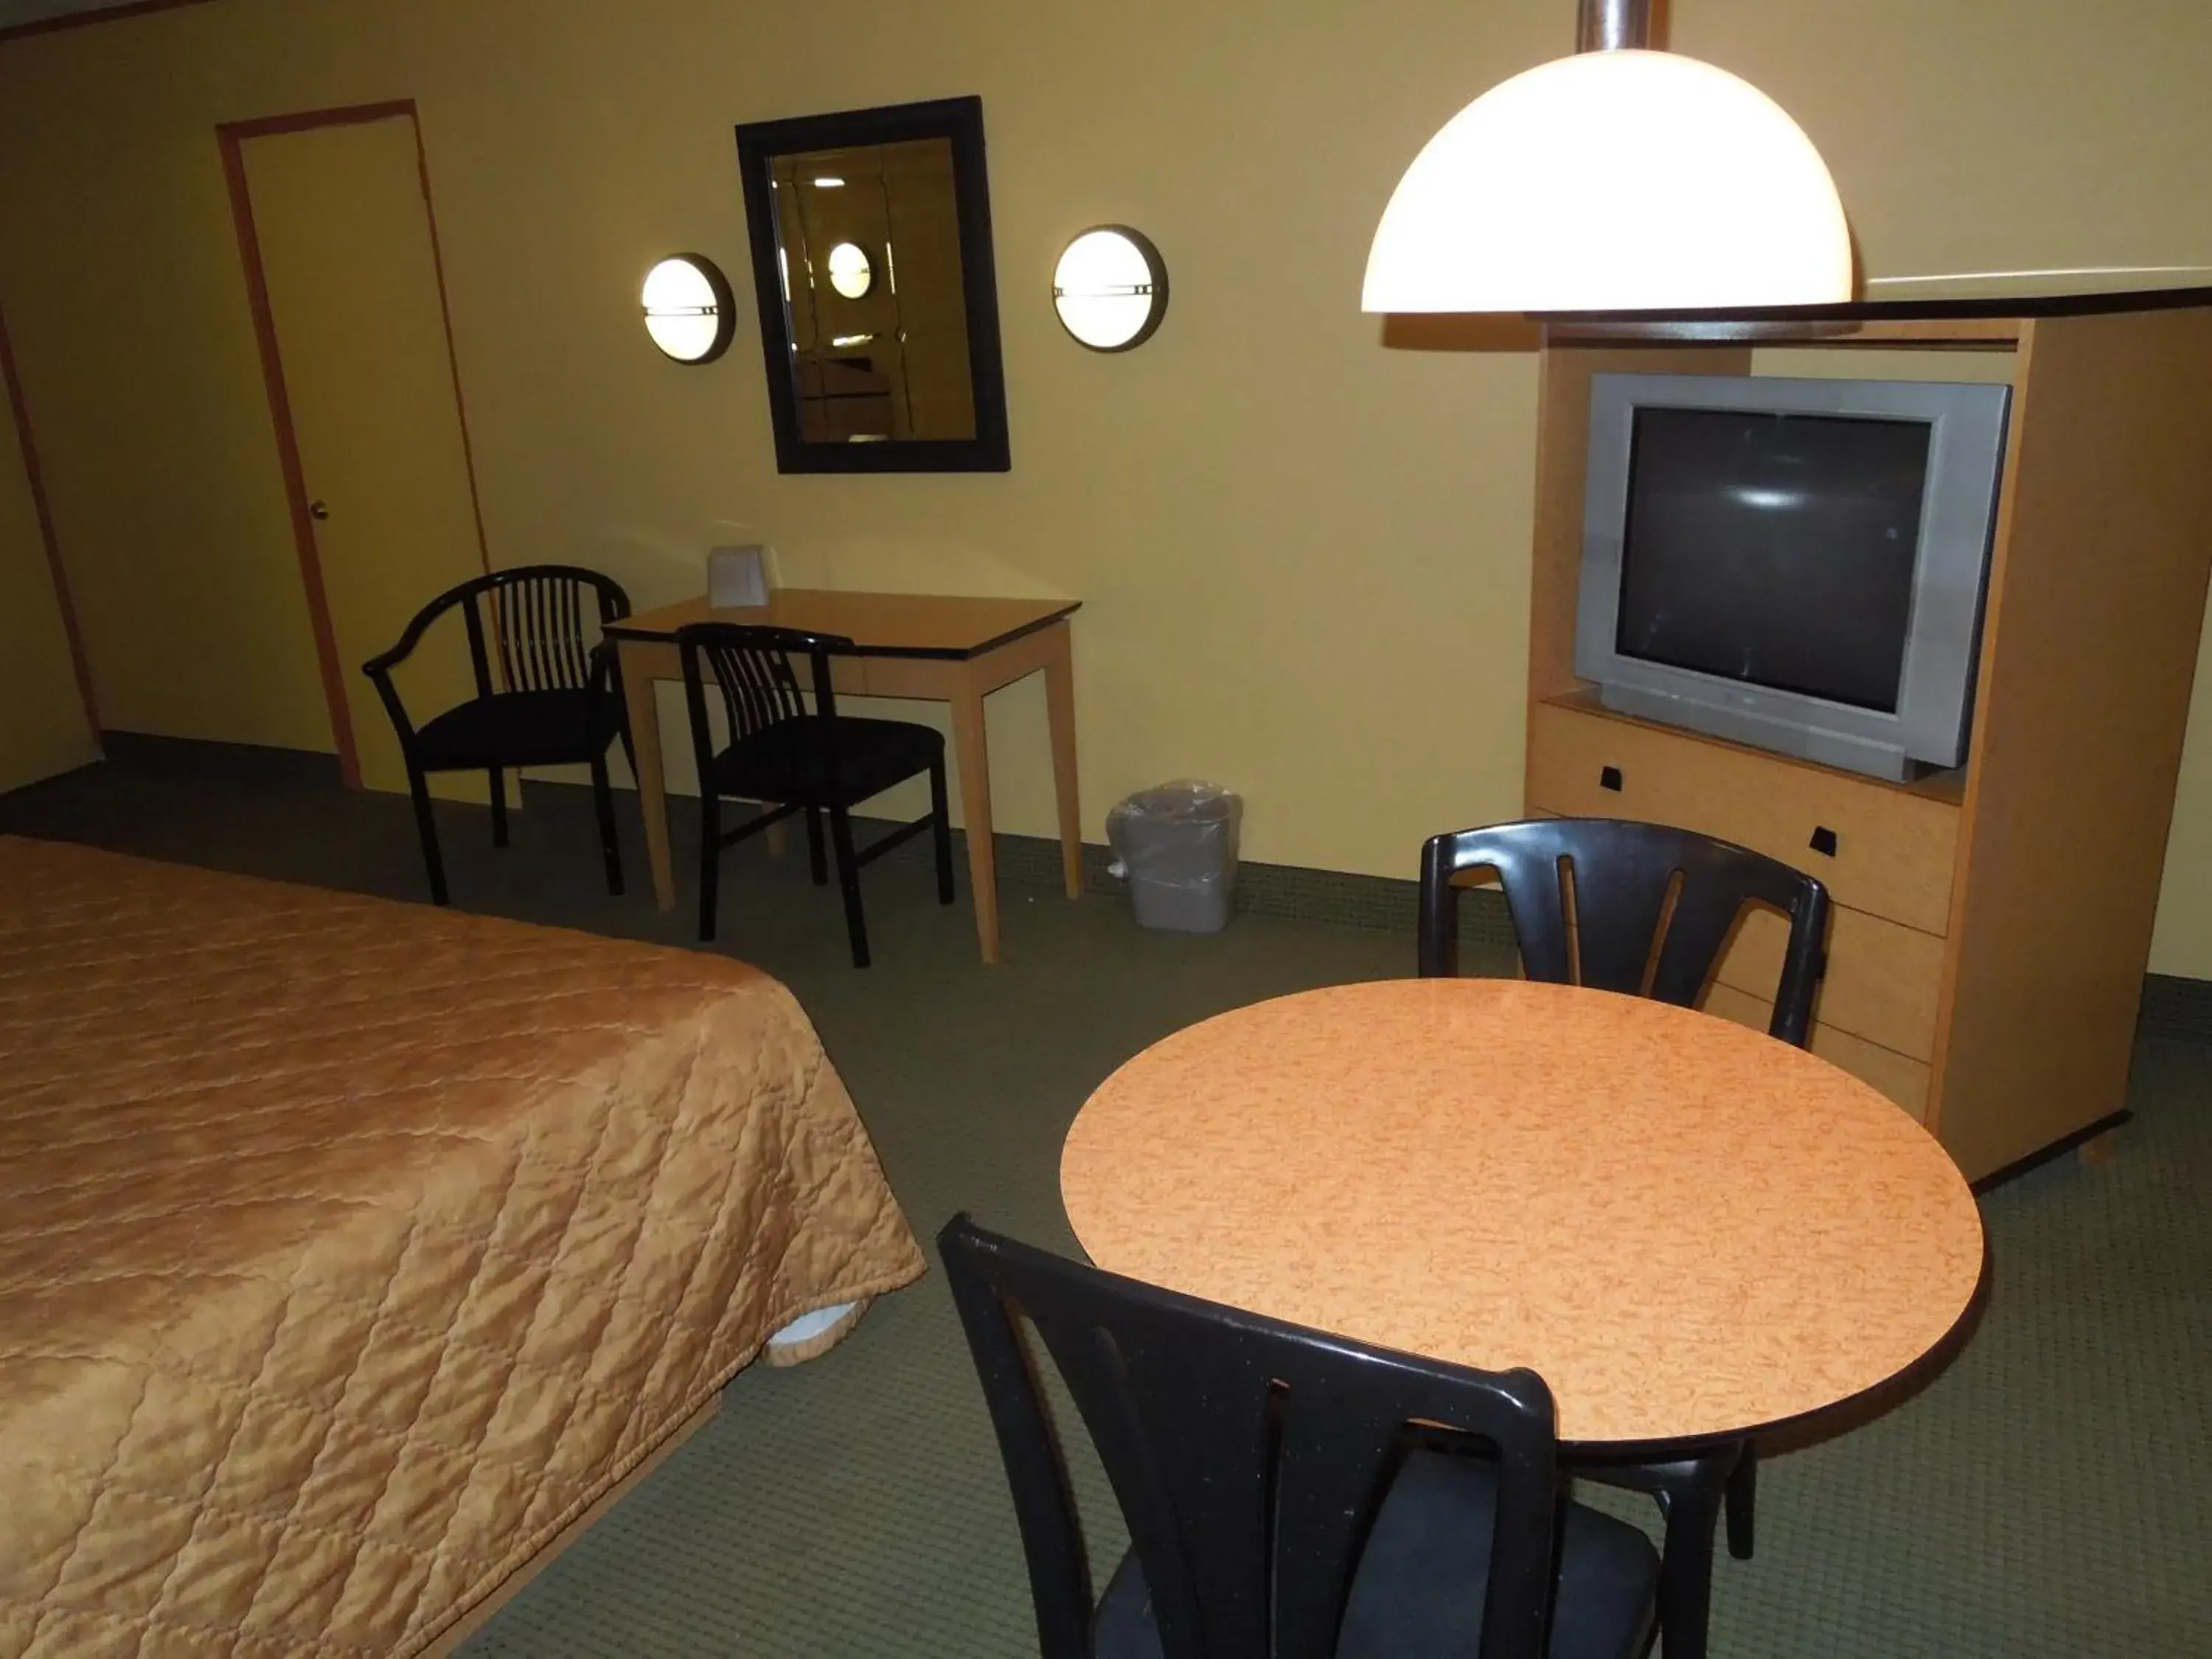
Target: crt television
(1796,564)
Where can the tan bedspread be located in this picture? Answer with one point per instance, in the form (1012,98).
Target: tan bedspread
(347,1249)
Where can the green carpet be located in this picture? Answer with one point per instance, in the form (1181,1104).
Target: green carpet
(2050,1495)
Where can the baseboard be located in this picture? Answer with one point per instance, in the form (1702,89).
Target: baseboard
(227,762)
(2176,1007)
(1286,892)
(2171,1006)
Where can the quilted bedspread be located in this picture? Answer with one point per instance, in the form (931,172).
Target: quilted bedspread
(349,1249)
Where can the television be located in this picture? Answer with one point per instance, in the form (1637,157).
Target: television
(1794,564)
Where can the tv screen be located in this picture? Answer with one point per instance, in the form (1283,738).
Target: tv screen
(1776,550)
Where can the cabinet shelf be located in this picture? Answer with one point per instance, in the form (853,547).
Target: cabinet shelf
(1948,785)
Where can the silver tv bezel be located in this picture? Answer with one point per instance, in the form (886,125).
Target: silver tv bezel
(1957,516)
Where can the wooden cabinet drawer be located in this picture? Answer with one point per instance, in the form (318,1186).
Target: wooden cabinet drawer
(1893,847)
(1881,983)
(1900,1077)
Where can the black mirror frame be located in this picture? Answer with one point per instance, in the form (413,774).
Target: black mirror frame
(960,120)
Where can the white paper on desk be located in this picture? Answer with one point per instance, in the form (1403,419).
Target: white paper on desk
(737,576)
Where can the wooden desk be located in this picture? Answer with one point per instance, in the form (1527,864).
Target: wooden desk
(935,647)
(1693,1232)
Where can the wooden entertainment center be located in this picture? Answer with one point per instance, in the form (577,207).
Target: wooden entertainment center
(1992,923)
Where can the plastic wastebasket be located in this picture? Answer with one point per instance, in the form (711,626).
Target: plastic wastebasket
(1176,845)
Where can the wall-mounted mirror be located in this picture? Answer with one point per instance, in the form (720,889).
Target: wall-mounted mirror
(871,234)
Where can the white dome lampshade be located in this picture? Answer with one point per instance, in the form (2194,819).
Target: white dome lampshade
(1613,180)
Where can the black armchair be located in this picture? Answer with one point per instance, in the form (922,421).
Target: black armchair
(556,698)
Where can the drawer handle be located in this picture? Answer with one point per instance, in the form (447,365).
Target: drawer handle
(1824,840)
(1608,777)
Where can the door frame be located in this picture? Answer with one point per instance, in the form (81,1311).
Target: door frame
(77,20)
(231,137)
(42,510)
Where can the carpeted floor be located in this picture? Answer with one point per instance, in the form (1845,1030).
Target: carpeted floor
(2050,1495)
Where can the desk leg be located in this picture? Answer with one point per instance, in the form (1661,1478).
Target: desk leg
(645,752)
(971,754)
(1059,709)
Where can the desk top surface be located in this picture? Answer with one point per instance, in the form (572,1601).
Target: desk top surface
(1690,1230)
(879,624)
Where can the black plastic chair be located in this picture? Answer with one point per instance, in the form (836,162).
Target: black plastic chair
(556,700)
(1646,909)
(1290,1494)
(1637,908)
(792,760)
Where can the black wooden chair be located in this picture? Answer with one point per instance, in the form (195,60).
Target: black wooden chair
(556,699)
(792,760)
(1290,1494)
(1645,910)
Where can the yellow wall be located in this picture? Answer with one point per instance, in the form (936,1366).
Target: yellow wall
(43,728)
(1303,557)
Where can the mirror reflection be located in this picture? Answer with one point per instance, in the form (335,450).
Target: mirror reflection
(869,237)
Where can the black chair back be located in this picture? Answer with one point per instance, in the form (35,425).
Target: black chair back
(751,667)
(1249,1456)
(1638,907)
(537,614)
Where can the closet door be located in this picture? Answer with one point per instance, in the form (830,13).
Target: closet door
(347,257)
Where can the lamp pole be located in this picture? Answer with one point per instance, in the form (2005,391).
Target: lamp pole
(1613,25)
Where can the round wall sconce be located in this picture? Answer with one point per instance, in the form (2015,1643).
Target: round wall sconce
(851,272)
(1110,288)
(688,309)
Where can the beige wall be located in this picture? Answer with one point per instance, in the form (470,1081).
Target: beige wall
(1303,555)
(43,728)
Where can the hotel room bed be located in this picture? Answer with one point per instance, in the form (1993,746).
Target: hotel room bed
(350,1250)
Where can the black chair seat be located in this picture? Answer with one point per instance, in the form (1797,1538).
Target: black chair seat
(787,761)
(521,728)
(1421,1584)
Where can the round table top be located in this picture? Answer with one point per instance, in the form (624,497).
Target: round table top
(1687,1228)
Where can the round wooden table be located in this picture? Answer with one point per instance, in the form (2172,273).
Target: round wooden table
(1691,1230)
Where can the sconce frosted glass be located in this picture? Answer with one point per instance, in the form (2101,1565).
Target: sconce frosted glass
(1110,288)
(687,312)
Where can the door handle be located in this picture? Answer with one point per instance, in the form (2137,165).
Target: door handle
(318,510)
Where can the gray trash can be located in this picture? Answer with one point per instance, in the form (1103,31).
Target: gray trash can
(1176,846)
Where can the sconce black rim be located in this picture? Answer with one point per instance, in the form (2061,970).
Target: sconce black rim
(1153,263)
(726,316)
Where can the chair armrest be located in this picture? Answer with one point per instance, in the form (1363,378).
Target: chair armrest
(379,668)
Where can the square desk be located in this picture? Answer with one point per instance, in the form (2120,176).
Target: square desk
(934,648)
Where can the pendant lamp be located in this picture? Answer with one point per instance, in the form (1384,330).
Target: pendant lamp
(1621,179)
